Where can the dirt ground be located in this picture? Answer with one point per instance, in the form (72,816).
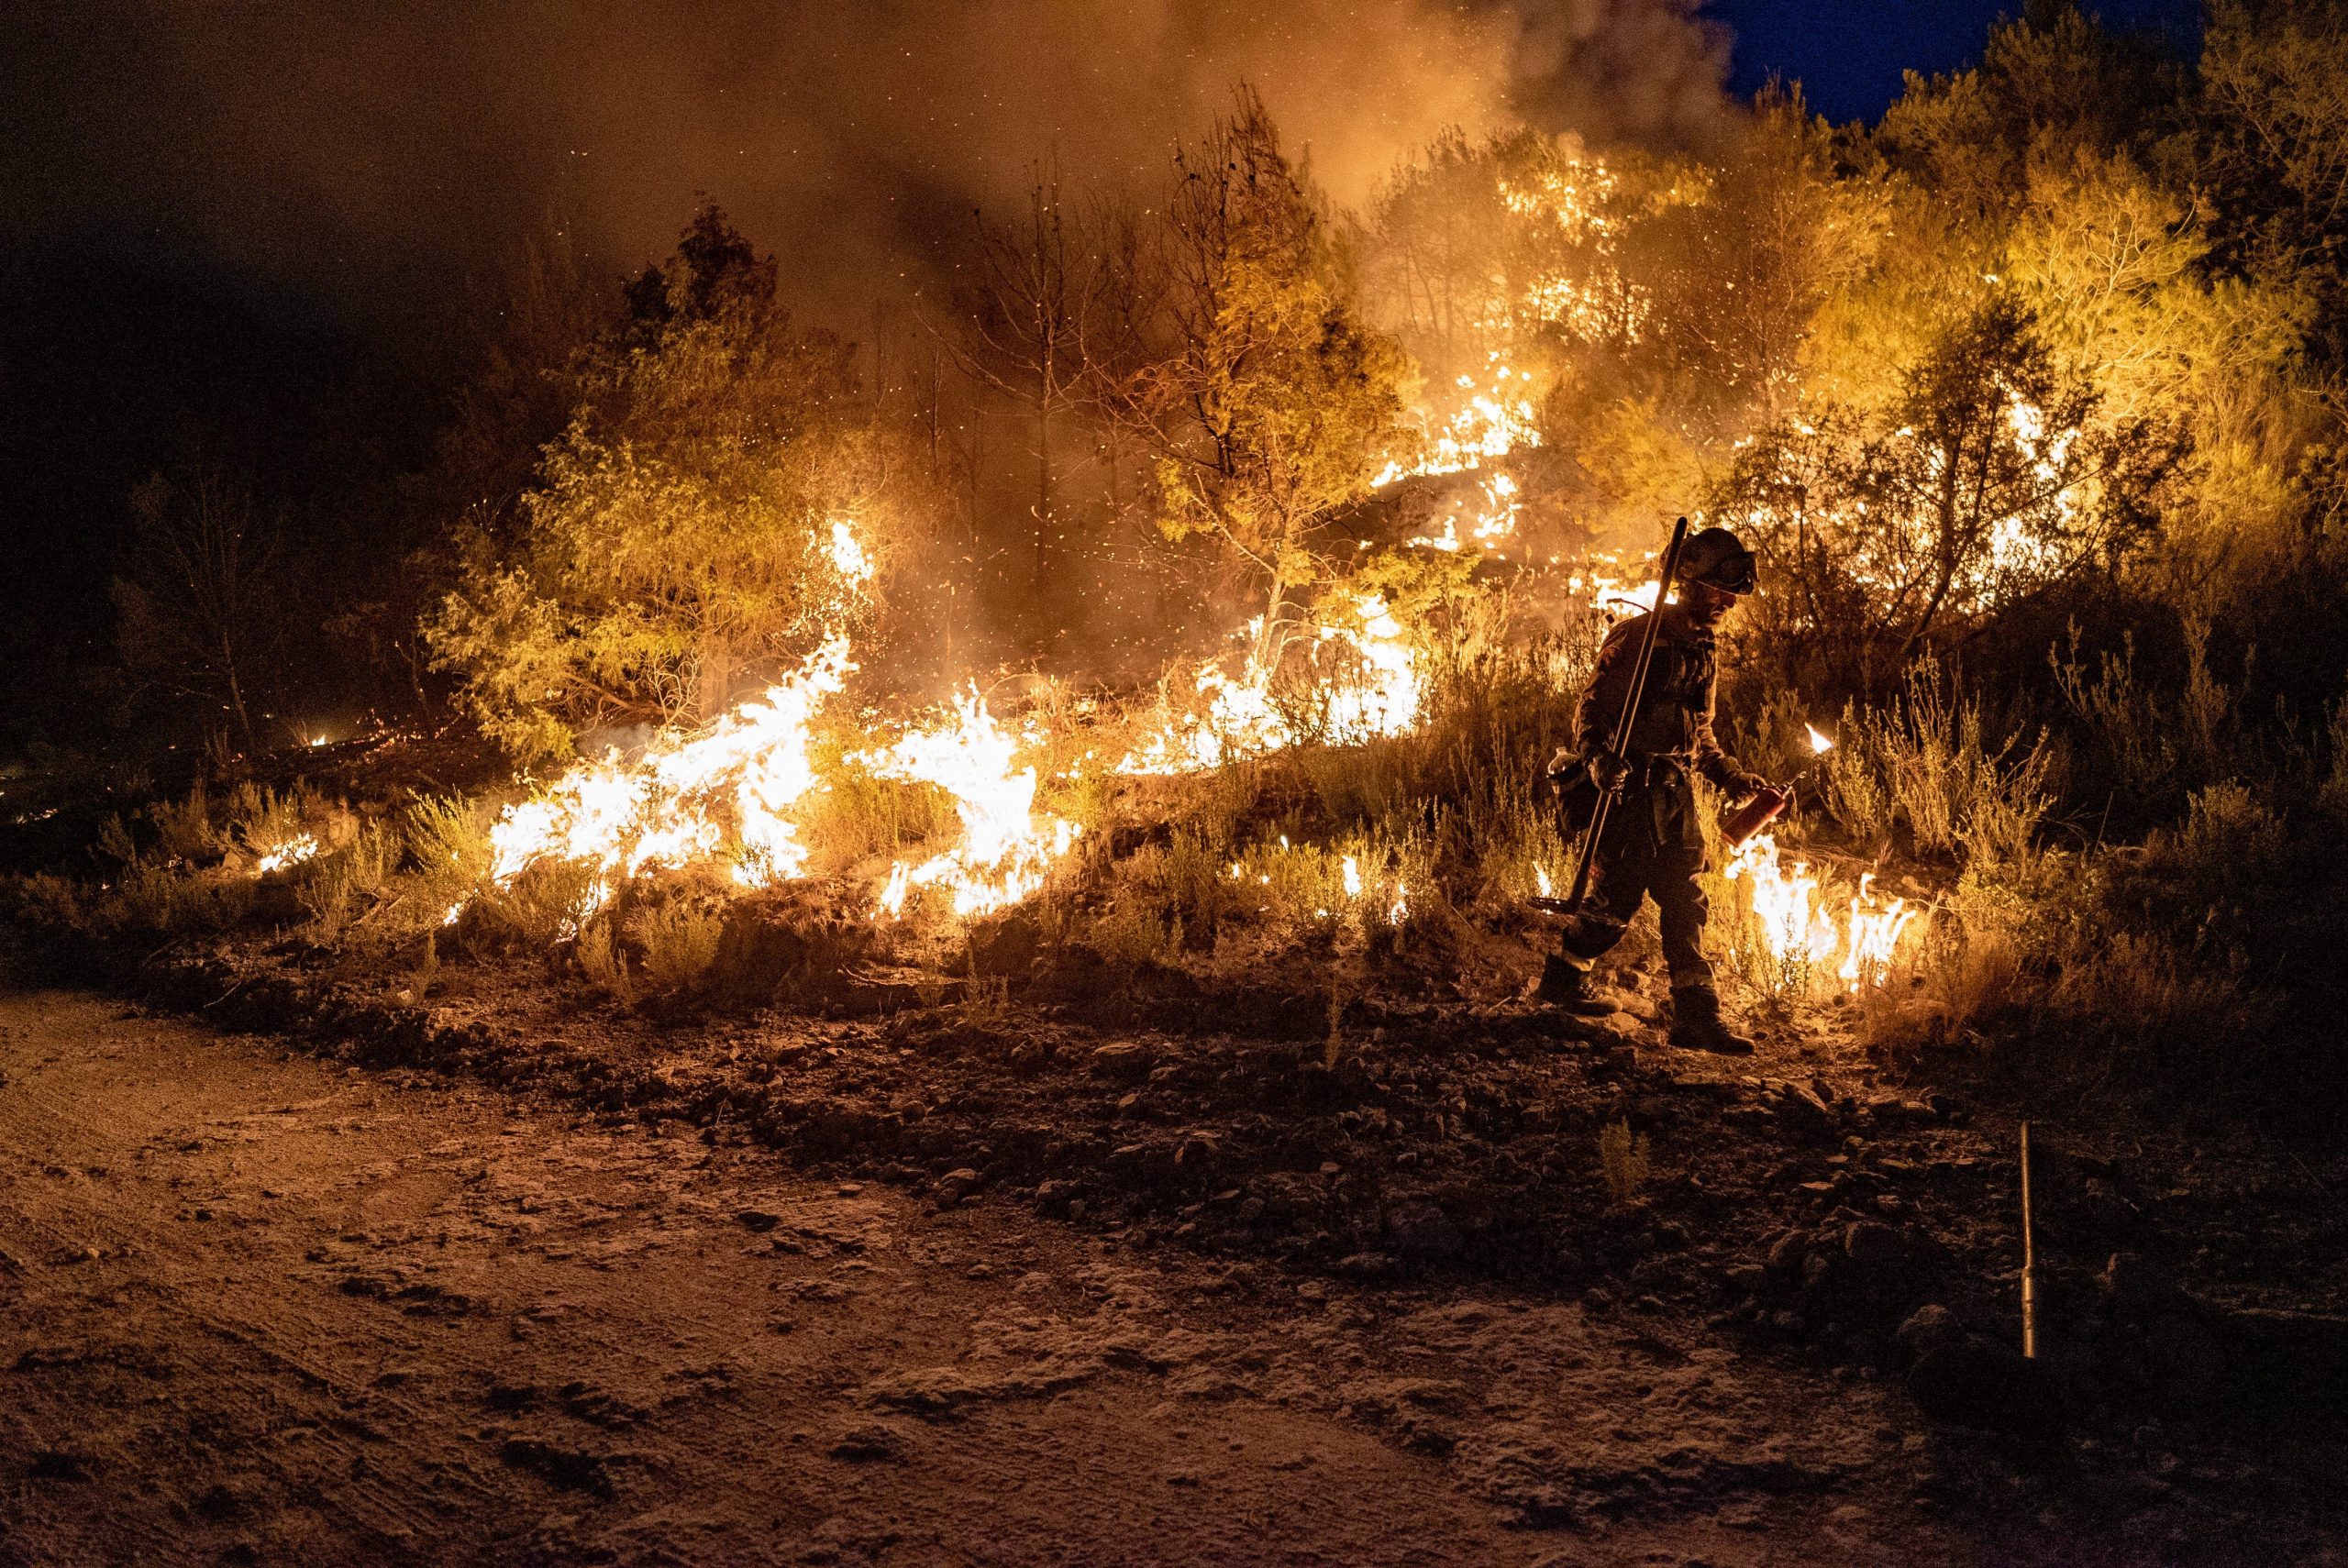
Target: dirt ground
(257,1307)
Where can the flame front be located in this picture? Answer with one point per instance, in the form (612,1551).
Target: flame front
(1799,932)
(674,805)
(1005,851)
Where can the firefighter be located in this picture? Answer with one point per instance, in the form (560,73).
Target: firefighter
(1653,844)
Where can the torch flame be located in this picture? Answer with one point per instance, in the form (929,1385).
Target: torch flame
(1819,744)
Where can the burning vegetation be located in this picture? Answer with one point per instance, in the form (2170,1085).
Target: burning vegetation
(1195,579)
(1089,740)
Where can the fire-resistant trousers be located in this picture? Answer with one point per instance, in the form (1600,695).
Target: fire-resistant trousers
(1652,847)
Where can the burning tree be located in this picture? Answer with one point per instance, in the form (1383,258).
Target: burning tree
(1989,481)
(1267,401)
(690,533)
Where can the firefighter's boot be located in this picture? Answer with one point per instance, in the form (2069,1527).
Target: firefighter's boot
(1695,1024)
(1566,984)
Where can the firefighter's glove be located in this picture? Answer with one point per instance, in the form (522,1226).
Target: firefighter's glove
(1745,786)
(1608,771)
(1564,763)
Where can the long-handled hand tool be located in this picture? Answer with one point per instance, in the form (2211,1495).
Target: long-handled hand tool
(2029,1258)
(1580,889)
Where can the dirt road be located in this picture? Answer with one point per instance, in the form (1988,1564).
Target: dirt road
(255,1307)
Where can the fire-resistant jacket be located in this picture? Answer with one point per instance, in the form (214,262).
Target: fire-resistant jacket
(1675,720)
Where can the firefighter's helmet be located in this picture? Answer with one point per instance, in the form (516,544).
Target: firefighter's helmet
(1717,558)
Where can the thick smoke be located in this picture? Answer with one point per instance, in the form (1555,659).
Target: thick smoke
(385,157)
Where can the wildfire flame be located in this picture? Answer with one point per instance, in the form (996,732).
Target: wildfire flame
(293,852)
(675,804)
(1005,852)
(734,790)
(1798,928)
(1236,719)
(1819,745)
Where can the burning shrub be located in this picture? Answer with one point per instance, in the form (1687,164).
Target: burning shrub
(690,532)
(271,831)
(1989,479)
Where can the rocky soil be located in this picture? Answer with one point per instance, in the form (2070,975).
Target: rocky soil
(1798,1315)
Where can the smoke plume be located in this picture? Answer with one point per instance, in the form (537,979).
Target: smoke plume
(379,159)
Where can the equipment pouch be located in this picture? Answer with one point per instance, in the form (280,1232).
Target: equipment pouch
(1577,797)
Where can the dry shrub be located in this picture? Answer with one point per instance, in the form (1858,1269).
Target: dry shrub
(1923,761)
(1134,928)
(183,830)
(547,904)
(2228,836)
(46,902)
(679,940)
(2148,996)
(1957,979)
(153,897)
(116,842)
(345,884)
(448,850)
(165,901)
(427,970)
(2150,745)
(858,816)
(1624,1163)
(2332,796)
(603,961)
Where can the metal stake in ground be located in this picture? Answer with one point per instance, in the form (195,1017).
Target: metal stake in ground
(2029,1259)
(1629,715)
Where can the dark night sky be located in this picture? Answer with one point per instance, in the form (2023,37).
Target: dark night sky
(1849,54)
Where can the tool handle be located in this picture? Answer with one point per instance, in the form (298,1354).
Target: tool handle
(2029,1259)
(1629,714)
